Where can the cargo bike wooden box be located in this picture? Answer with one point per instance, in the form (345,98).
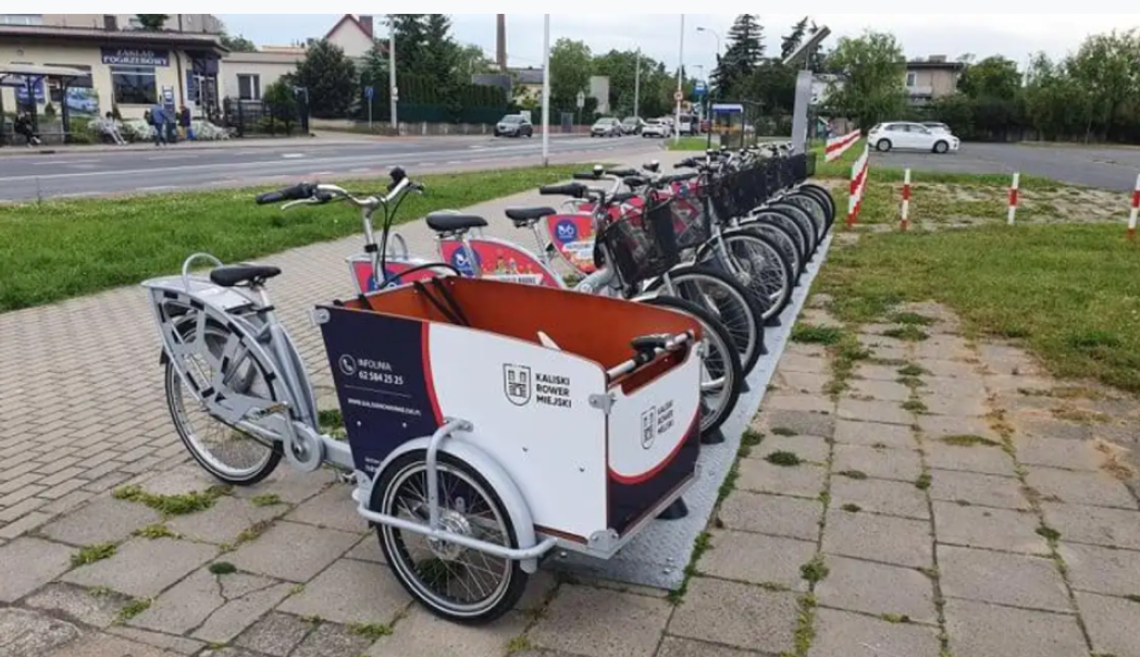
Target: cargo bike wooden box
(487,423)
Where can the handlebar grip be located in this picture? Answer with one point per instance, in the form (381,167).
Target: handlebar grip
(622,173)
(636,181)
(269,197)
(585,176)
(577,190)
(294,193)
(622,197)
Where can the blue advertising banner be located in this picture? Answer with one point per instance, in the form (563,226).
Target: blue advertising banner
(22,92)
(135,57)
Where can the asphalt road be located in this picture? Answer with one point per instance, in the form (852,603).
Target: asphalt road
(1112,168)
(77,174)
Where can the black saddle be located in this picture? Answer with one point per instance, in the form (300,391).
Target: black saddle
(231,275)
(528,216)
(448,222)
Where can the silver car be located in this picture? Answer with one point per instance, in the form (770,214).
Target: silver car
(606,128)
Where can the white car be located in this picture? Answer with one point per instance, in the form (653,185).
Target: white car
(905,135)
(657,128)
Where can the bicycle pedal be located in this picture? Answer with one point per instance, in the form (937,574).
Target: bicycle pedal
(345,478)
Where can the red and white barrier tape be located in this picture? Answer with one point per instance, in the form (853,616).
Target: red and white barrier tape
(1135,210)
(1013,189)
(837,146)
(858,183)
(904,211)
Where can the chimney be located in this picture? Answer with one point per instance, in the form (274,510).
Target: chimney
(501,41)
(366,25)
(110,23)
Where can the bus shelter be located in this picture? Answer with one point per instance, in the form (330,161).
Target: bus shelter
(728,124)
(29,81)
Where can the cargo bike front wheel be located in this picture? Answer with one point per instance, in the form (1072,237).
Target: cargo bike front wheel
(454,582)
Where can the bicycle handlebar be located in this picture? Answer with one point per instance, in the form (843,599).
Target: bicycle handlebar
(305,193)
(294,193)
(577,190)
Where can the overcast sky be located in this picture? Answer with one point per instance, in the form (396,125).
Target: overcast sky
(1013,35)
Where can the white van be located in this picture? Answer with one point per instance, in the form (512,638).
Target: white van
(688,125)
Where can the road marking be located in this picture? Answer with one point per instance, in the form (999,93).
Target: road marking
(173,157)
(75,194)
(425,164)
(155,188)
(359,170)
(292,156)
(455,161)
(323,173)
(64,162)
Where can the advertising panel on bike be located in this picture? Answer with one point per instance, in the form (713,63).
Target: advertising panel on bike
(573,236)
(497,260)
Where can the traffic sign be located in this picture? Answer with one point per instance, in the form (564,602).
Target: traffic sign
(581,99)
(369,92)
(699,88)
(678,96)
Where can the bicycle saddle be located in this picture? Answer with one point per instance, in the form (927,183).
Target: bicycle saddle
(448,222)
(231,275)
(527,216)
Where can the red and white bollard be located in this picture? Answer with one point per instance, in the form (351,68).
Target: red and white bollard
(1013,197)
(1135,210)
(904,211)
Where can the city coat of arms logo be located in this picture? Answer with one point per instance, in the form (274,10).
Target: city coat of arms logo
(517,384)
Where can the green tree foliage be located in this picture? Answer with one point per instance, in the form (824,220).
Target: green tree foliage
(331,79)
(152,21)
(742,56)
(789,43)
(237,43)
(471,60)
(873,70)
(993,77)
(570,69)
(281,102)
(656,89)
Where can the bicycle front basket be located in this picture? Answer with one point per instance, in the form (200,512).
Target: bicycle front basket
(685,212)
(642,243)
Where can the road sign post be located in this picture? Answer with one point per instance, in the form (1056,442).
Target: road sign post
(369,93)
(581,100)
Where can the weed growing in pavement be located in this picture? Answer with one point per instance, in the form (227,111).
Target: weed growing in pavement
(805,628)
(266,499)
(172,505)
(852,474)
(912,319)
(908,332)
(222,568)
(518,644)
(700,545)
(1048,533)
(895,618)
(783,431)
(784,459)
(812,334)
(370,631)
(923,482)
(969,440)
(914,406)
(815,570)
(157,530)
(913,370)
(132,609)
(851,508)
(92,553)
(751,438)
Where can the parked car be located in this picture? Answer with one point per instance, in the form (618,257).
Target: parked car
(514,125)
(687,125)
(937,127)
(657,128)
(632,125)
(606,127)
(911,136)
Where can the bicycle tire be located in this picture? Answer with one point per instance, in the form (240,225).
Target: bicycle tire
(784,218)
(804,221)
(772,262)
(824,195)
(716,333)
(733,305)
(785,235)
(813,209)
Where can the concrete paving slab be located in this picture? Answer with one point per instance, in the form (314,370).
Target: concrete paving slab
(77,603)
(977,628)
(738,615)
(874,411)
(1118,528)
(795,401)
(977,489)
(105,520)
(844,634)
(892,498)
(25,633)
(971,407)
(143,567)
(877,589)
(633,627)
(331,640)
(888,391)
(900,541)
(1091,488)
(1058,453)
(175,644)
(1110,622)
(757,559)
(1101,570)
(350,591)
(897,464)
(869,434)
(759,476)
(228,621)
(799,422)
(672,646)
(107,645)
(984,527)
(292,487)
(274,634)
(1001,578)
(772,514)
(789,381)
(331,508)
(421,634)
(293,551)
(809,448)
(984,459)
(29,563)
(368,549)
(224,522)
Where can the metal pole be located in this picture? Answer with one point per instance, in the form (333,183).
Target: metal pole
(393,93)
(546,90)
(637,86)
(680,67)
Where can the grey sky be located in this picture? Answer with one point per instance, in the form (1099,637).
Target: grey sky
(1014,36)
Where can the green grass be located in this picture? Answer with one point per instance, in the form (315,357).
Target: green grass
(92,553)
(172,505)
(60,249)
(157,530)
(265,499)
(1067,290)
(923,482)
(370,631)
(907,332)
(696,143)
(815,570)
(812,334)
(969,440)
(785,459)
(222,568)
(132,609)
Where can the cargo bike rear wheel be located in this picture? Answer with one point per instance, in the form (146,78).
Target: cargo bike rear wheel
(454,582)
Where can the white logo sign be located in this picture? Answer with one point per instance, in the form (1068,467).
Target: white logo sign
(517,384)
(648,428)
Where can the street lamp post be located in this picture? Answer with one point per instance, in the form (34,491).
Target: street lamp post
(393,92)
(708,92)
(680,90)
(546,90)
(637,86)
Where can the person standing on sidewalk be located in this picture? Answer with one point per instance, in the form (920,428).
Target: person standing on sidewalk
(158,122)
(184,122)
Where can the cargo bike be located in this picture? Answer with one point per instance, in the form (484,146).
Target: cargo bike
(487,423)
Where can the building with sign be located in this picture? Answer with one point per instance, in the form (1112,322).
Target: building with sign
(130,70)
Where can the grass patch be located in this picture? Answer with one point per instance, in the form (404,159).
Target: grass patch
(222,568)
(923,482)
(132,609)
(858,475)
(784,431)
(815,570)
(700,545)
(1068,290)
(518,644)
(911,369)
(1133,598)
(784,459)
(99,591)
(751,438)
(60,249)
(693,143)
(845,355)
(805,628)
(908,332)
(912,319)
(812,334)
(895,618)
(1048,533)
(172,505)
(851,508)
(92,553)
(969,440)
(157,530)
(266,499)
(914,406)
(330,419)
(370,631)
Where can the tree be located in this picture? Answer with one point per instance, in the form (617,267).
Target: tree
(237,43)
(570,68)
(410,36)
(873,70)
(331,79)
(1107,67)
(281,102)
(992,77)
(152,21)
(791,42)
(742,56)
(471,61)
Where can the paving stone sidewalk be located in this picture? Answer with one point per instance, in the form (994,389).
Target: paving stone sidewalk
(980,520)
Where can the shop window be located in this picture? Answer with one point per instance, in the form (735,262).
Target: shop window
(134,85)
(911,78)
(21,19)
(249,87)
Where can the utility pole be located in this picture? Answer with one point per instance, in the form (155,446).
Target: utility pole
(393,92)
(546,90)
(637,86)
(680,92)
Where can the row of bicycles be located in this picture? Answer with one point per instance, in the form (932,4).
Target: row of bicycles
(501,402)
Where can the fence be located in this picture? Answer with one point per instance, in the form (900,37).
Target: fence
(248,117)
